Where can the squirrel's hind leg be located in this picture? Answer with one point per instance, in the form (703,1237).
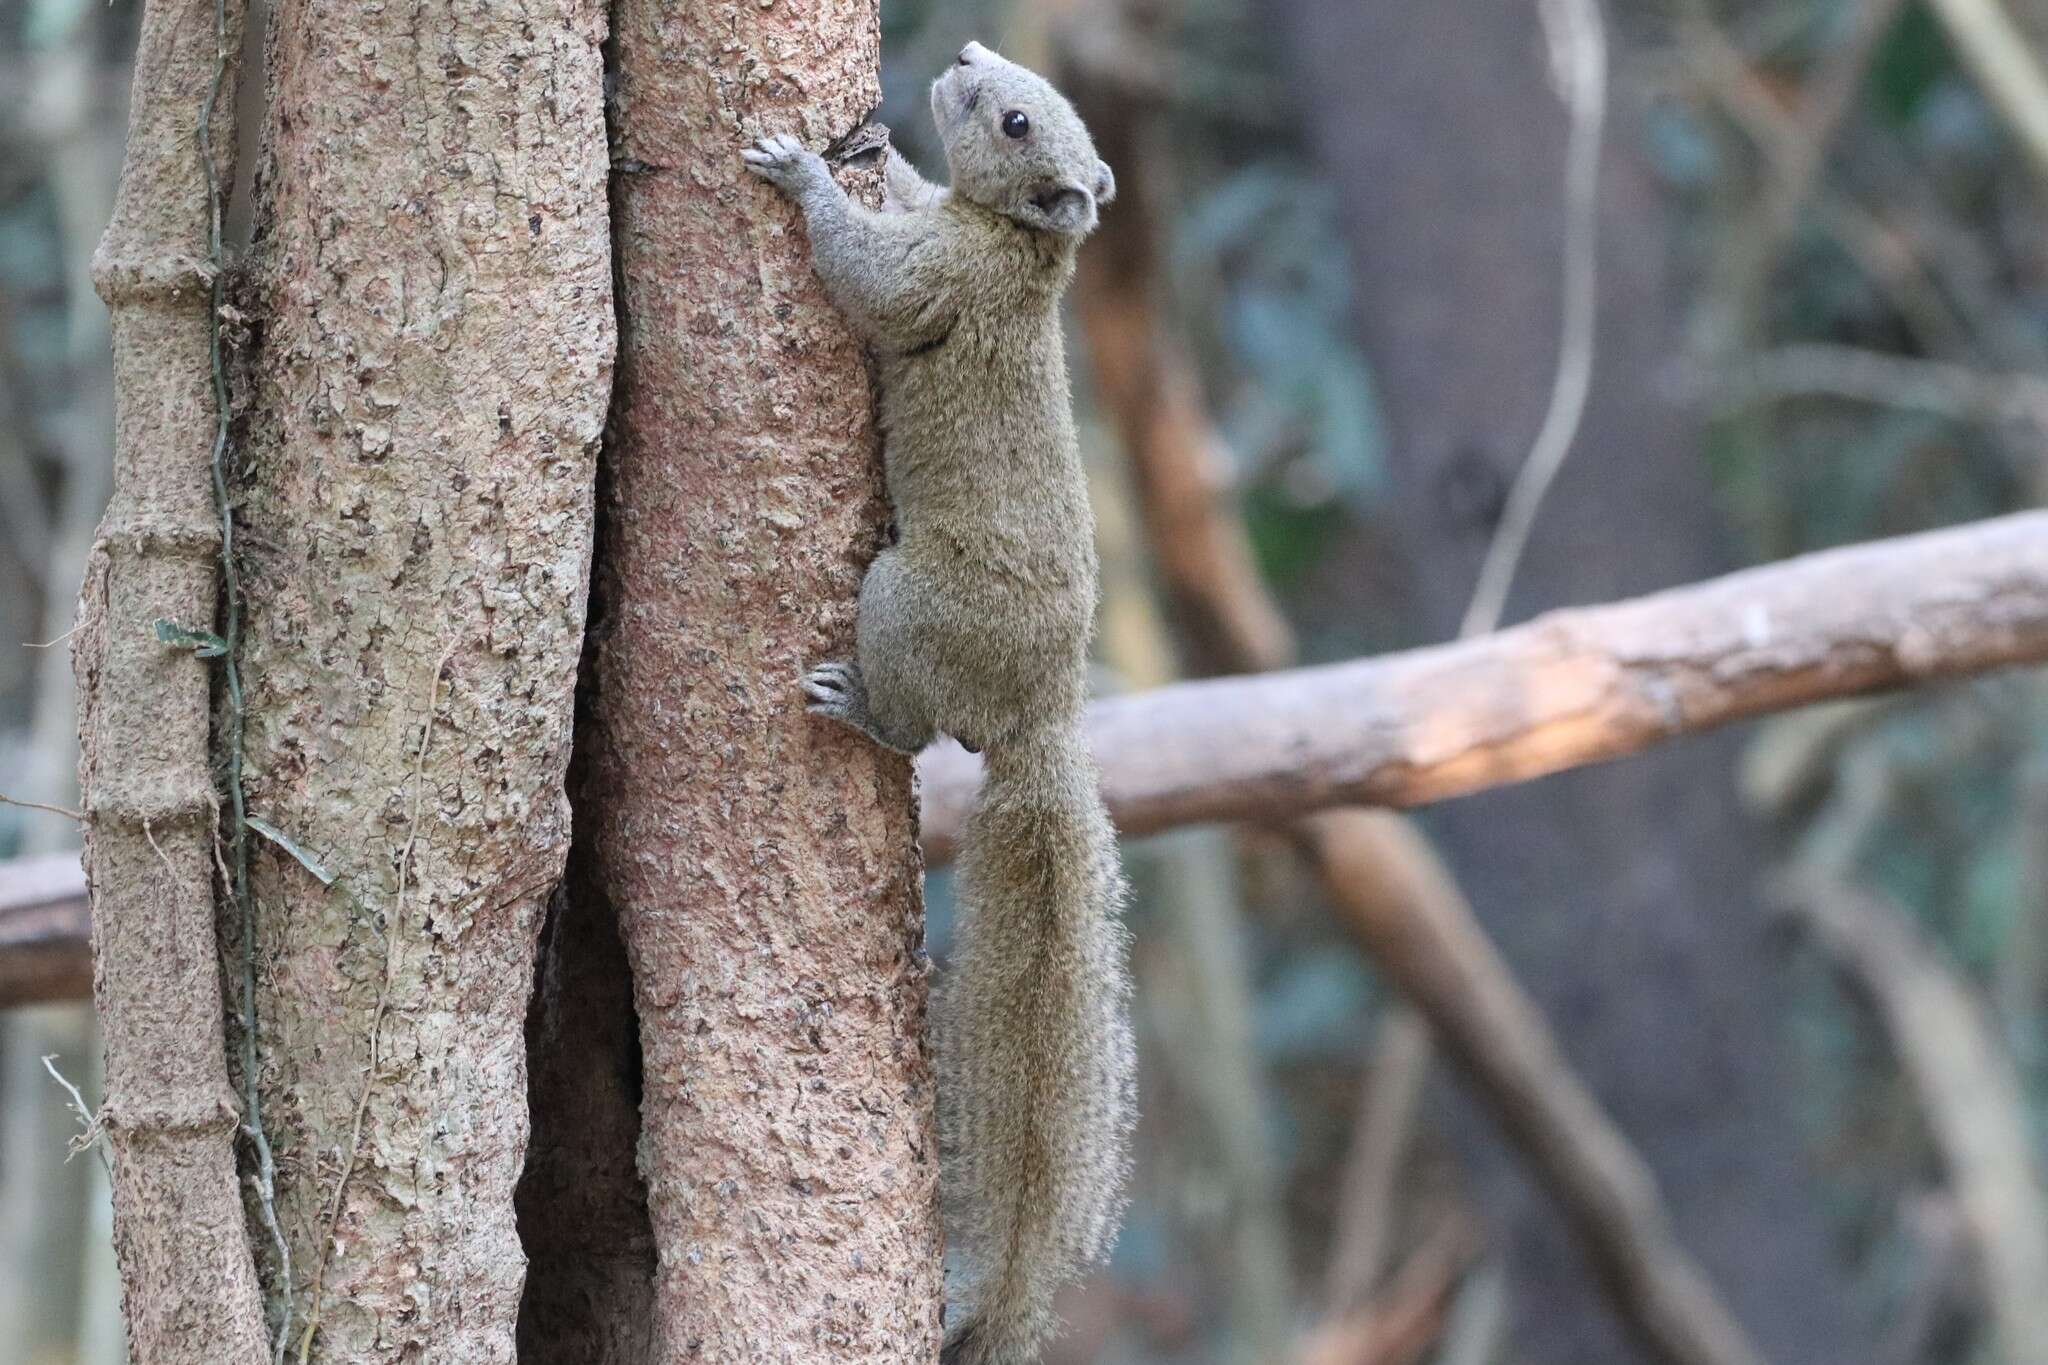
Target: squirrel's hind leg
(882,694)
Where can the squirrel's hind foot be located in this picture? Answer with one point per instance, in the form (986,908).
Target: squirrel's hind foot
(836,690)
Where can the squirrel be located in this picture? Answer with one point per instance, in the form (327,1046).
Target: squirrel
(976,623)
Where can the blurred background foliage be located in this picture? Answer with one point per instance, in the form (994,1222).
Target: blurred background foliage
(1861,293)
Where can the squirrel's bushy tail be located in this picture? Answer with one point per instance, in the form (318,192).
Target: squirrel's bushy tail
(1036,1066)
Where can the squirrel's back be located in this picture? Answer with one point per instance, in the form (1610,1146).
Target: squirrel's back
(984,466)
(979,418)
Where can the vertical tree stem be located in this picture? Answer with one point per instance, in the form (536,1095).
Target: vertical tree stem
(762,861)
(190,1291)
(433,335)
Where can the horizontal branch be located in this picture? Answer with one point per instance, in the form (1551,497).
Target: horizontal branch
(1825,370)
(1567,689)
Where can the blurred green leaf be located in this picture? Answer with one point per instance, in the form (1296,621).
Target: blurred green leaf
(1288,538)
(1910,61)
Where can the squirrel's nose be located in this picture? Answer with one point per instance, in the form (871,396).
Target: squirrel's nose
(972,53)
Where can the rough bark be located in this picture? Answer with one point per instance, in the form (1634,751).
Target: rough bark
(190,1291)
(761,862)
(1619,897)
(435,335)
(1573,687)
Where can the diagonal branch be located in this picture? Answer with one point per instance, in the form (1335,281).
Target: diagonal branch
(1457,980)
(1997,52)
(1568,689)
(1973,1099)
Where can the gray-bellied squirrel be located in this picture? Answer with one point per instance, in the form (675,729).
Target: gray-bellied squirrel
(976,624)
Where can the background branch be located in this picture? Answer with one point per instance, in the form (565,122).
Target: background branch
(1824,369)
(1456,978)
(44,923)
(1398,898)
(1966,1084)
(1998,53)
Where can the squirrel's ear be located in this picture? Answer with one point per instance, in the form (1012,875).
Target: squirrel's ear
(1105,183)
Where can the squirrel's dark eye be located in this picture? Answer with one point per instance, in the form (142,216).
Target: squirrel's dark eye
(1015,124)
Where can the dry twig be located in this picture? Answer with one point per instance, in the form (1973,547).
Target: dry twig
(65,811)
(89,1136)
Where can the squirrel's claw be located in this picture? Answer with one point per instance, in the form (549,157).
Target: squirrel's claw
(828,682)
(778,158)
(832,689)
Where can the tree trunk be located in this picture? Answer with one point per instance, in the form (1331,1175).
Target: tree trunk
(1447,145)
(434,338)
(190,1288)
(758,862)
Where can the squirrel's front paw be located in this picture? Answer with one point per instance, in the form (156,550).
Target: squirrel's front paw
(782,161)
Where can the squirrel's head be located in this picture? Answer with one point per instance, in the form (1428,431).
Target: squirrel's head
(1015,145)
